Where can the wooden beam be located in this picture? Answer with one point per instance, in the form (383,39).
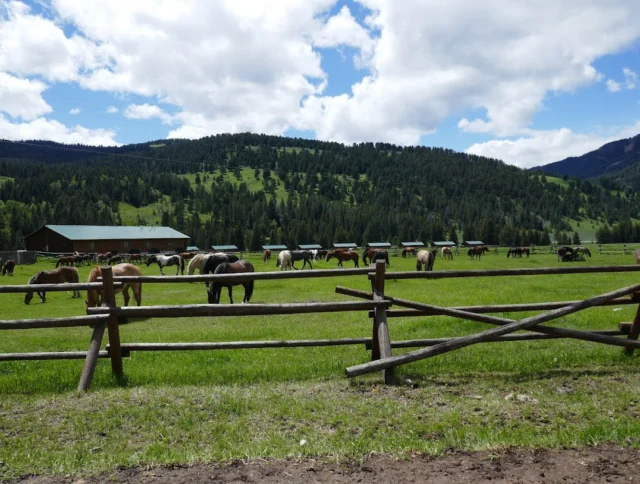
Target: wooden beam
(380,327)
(92,358)
(109,300)
(239,345)
(52,287)
(487,335)
(49,355)
(70,322)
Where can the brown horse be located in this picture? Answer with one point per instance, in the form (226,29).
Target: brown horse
(565,254)
(447,253)
(369,253)
(343,255)
(582,250)
(94,296)
(103,257)
(56,276)
(237,267)
(135,257)
(266,256)
(187,255)
(476,252)
(8,267)
(116,259)
(408,251)
(65,261)
(637,254)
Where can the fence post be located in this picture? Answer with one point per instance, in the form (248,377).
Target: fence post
(380,337)
(91,360)
(109,300)
(634,332)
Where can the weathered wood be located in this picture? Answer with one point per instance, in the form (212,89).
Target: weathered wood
(255,276)
(380,327)
(625,327)
(49,355)
(91,360)
(500,339)
(486,335)
(510,272)
(239,345)
(69,322)
(634,330)
(109,300)
(52,287)
(190,310)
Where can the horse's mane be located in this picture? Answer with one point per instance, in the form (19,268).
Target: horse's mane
(32,279)
(95,273)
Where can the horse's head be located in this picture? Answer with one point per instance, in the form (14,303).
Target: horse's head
(151,260)
(28,296)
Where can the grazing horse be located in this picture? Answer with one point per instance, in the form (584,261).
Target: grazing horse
(565,254)
(514,252)
(343,255)
(198,262)
(165,261)
(303,255)
(236,267)
(64,261)
(321,253)
(582,250)
(135,257)
(284,260)
(476,252)
(369,253)
(425,259)
(380,255)
(94,296)
(408,250)
(116,259)
(8,267)
(56,276)
(103,257)
(214,260)
(447,253)
(525,250)
(266,256)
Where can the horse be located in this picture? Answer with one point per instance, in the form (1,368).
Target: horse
(236,267)
(369,253)
(303,255)
(314,254)
(64,261)
(87,258)
(565,254)
(198,262)
(447,253)
(284,260)
(266,256)
(135,257)
(524,250)
(476,252)
(8,267)
(187,255)
(380,255)
(165,261)
(408,250)
(56,276)
(637,254)
(425,259)
(514,252)
(582,250)
(116,259)
(343,255)
(103,257)
(94,296)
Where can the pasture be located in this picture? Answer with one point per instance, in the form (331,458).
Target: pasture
(202,406)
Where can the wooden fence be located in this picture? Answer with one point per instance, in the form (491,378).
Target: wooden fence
(375,303)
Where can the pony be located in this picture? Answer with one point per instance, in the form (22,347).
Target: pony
(408,250)
(425,259)
(165,261)
(380,255)
(94,296)
(565,254)
(8,267)
(447,253)
(369,253)
(343,255)
(56,276)
(266,256)
(284,260)
(582,250)
(236,267)
(303,255)
(64,261)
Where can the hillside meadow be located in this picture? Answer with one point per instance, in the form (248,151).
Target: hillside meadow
(203,406)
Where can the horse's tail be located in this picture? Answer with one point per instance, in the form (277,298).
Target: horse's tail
(508,253)
(249,290)
(57,263)
(588,252)
(386,258)
(191,268)
(181,265)
(278,262)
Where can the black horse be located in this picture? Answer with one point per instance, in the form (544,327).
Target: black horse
(215,260)
(566,254)
(380,255)
(237,267)
(514,252)
(304,255)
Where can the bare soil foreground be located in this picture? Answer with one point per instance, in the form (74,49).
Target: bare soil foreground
(589,465)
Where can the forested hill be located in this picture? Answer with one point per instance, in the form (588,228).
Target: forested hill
(252,189)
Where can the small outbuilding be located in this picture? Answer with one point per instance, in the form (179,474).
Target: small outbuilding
(274,247)
(193,248)
(472,243)
(414,244)
(225,248)
(309,247)
(379,245)
(443,243)
(345,245)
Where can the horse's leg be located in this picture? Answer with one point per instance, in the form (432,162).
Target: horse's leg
(178,269)
(230,289)
(125,295)
(43,296)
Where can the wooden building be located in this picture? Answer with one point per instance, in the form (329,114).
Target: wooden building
(472,243)
(415,244)
(99,238)
(444,243)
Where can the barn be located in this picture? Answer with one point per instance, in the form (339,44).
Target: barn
(100,238)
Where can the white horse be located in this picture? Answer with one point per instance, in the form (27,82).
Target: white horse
(425,258)
(198,262)
(314,254)
(164,261)
(284,260)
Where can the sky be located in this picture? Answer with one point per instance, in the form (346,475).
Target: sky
(527,82)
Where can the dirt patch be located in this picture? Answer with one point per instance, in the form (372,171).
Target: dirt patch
(598,464)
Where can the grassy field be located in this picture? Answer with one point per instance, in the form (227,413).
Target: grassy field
(202,406)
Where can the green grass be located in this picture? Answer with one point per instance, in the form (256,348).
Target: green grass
(4,179)
(247,176)
(557,181)
(202,406)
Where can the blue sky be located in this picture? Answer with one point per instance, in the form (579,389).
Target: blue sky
(529,84)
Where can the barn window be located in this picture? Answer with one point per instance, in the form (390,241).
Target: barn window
(148,244)
(92,245)
(127,244)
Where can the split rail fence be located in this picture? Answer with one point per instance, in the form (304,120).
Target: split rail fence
(375,303)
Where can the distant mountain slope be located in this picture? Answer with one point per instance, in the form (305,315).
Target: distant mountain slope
(606,160)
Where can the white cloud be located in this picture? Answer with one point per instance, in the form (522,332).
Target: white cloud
(46,129)
(543,147)
(112,110)
(613,86)
(22,97)
(630,78)
(343,29)
(74,111)
(147,111)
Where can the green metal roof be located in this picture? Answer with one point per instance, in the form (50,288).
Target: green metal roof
(384,245)
(345,245)
(192,247)
(274,247)
(416,243)
(446,243)
(224,247)
(115,232)
(309,246)
(473,242)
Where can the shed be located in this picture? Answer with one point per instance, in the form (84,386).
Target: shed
(412,244)
(101,238)
(443,243)
(472,243)
(345,245)
(193,248)
(309,247)
(379,245)
(274,247)
(225,248)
